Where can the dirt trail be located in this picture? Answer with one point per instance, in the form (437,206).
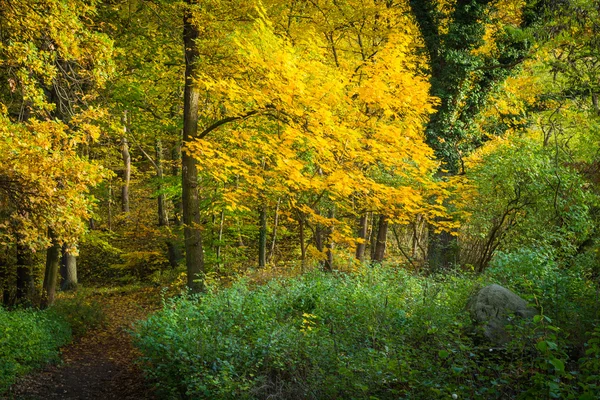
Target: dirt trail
(101,364)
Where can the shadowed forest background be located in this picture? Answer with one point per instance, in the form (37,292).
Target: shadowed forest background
(315,188)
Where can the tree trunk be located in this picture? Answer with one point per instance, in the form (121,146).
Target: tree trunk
(328,264)
(4,279)
(110,205)
(220,238)
(381,242)
(51,272)
(194,257)
(373,236)
(25,284)
(262,237)
(441,250)
(163,218)
(362,234)
(68,270)
(302,243)
(126,166)
(274,234)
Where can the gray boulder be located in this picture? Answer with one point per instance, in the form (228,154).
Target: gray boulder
(494,307)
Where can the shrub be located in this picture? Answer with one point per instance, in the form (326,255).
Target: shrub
(317,336)
(377,334)
(28,339)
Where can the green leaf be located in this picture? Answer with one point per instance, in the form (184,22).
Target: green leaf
(542,346)
(558,364)
(443,354)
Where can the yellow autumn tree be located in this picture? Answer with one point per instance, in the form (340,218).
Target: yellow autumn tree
(52,62)
(321,105)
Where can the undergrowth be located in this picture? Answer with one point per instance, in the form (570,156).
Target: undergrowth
(378,334)
(28,339)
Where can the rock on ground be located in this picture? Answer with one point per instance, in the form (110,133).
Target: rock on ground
(494,306)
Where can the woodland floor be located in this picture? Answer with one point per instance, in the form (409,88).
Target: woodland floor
(101,364)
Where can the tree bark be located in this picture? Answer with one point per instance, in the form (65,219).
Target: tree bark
(274,234)
(110,193)
(163,217)
(441,250)
(68,270)
(262,237)
(126,167)
(380,245)
(302,244)
(362,234)
(25,284)
(328,264)
(51,272)
(373,236)
(4,279)
(194,257)
(220,238)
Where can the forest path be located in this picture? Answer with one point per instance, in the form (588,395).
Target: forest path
(100,364)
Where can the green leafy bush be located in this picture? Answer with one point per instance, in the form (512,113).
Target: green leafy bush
(28,339)
(317,336)
(377,334)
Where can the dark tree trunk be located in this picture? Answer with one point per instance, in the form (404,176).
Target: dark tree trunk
(262,238)
(25,284)
(328,264)
(163,218)
(373,236)
(68,270)
(363,227)
(194,257)
(4,279)
(274,233)
(126,167)
(110,193)
(380,245)
(51,272)
(442,250)
(302,243)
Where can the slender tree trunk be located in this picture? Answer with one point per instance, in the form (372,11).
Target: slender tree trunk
(220,238)
(51,272)
(68,270)
(373,236)
(4,279)
(163,217)
(274,234)
(126,166)
(194,257)
(110,205)
(328,265)
(302,243)
(262,237)
(380,245)
(363,227)
(25,284)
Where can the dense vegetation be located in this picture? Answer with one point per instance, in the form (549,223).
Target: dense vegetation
(28,339)
(331,180)
(379,333)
